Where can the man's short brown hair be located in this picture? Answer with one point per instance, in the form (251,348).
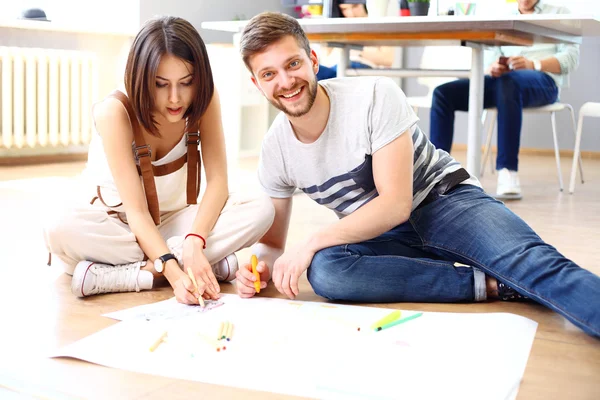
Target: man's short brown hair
(267,28)
(160,36)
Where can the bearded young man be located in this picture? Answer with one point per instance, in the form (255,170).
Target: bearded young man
(408,211)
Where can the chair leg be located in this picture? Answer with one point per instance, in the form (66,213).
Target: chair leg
(494,123)
(485,149)
(556,150)
(576,155)
(484,116)
(491,118)
(575,133)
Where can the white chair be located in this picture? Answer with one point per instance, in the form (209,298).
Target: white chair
(587,110)
(552,109)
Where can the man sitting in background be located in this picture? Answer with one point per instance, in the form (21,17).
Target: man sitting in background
(517,77)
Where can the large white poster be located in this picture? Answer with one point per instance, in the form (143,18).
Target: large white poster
(317,349)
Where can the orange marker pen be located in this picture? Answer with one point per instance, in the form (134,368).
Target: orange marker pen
(256,274)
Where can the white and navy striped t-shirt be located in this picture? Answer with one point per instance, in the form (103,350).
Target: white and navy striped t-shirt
(366,113)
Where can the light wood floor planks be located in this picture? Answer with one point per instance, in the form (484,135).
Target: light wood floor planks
(39,311)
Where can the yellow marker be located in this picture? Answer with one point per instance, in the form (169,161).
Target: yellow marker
(387,319)
(200,299)
(158,342)
(256,274)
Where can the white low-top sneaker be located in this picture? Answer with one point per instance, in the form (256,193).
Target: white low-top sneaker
(225,269)
(508,187)
(91,278)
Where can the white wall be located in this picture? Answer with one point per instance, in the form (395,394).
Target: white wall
(119,14)
(110,49)
(208,10)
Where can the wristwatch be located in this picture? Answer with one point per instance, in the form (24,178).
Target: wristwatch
(537,65)
(159,263)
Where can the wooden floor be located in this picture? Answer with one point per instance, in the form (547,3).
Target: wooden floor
(39,312)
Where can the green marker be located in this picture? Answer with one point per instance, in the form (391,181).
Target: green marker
(398,322)
(387,319)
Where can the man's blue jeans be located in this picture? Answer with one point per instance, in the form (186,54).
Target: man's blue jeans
(509,93)
(414,262)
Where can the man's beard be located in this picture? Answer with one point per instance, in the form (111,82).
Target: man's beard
(312,95)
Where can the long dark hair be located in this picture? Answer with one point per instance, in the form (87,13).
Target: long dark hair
(157,37)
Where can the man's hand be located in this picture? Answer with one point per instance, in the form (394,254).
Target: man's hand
(497,69)
(244,279)
(520,62)
(289,267)
(194,258)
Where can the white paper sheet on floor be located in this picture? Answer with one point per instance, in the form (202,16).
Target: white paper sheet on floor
(315,349)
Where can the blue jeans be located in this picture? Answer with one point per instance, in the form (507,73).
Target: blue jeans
(509,93)
(331,72)
(414,262)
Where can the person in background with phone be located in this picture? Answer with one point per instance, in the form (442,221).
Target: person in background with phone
(517,77)
(369,57)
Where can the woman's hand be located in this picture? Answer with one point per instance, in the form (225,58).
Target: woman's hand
(194,258)
(184,289)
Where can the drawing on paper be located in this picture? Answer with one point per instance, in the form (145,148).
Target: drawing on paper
(181,312)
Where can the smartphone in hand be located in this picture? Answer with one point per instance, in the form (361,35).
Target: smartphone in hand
(503,61)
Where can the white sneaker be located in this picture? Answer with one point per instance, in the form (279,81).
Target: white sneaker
(91,278)
(508,187)
(224,270)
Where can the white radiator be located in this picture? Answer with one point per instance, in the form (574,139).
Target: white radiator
(46,97)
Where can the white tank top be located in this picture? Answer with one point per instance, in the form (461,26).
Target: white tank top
(171,188)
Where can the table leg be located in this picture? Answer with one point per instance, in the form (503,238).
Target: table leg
(344,62)
(475,111)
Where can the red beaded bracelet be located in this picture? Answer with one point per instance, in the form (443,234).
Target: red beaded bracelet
(198,236)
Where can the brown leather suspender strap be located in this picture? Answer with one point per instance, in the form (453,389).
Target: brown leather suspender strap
(99,197)
(193,158)
(143,155)
(169,168)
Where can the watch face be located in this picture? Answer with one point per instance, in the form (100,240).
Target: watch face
(158,265)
